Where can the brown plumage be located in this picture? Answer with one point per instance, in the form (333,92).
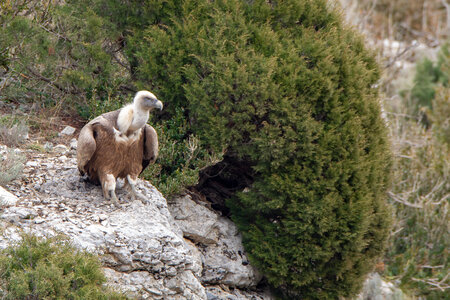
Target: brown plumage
(119,144)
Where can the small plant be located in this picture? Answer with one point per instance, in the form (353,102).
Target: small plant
(13,132)
(179,162)
(38,268)
(36,147)
(11,166)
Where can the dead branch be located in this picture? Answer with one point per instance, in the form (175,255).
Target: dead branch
(392,61)
(441,285)
(56,34)
(58,86)
(402,201)
(447,8)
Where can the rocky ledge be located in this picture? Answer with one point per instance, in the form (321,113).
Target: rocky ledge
(152,250)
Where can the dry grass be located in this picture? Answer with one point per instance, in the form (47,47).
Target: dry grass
(404,20)
(12,133)
(11,166)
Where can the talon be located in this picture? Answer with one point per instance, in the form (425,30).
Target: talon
(113,197)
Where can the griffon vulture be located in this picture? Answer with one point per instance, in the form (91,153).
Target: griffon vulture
(119,144)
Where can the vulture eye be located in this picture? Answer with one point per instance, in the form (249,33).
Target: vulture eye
(150,100)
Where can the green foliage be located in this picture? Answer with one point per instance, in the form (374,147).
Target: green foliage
(440,115)
(58,54)
(179,160)
(428,77)
(51,268)
(281,86)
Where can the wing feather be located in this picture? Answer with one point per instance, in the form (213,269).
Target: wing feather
(87,144)
(150,146)
(85,147)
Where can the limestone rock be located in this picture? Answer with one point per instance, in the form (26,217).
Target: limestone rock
(377,289)
(60,148)
(141,245)
(68,130)
(73,144)
(222,253)
(6,198)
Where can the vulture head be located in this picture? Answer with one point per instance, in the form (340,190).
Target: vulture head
(147,101)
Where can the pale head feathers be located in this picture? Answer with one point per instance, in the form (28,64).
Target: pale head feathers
(147,101)
(134,116)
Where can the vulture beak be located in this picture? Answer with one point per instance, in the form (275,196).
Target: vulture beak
(152,102)
(159,105)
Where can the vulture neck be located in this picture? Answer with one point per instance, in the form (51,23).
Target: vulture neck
(140,118)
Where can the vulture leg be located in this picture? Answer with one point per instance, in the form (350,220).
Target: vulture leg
(109,188)
(131,183)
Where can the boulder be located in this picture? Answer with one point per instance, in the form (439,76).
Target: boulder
(68,130)
(6,198)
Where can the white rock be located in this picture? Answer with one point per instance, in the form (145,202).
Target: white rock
(6,198)
(31,163)
(60,148)
(39,220)
(68,130)
(378,289)
(223,255)
(197,222)
(17,212)
(73,144)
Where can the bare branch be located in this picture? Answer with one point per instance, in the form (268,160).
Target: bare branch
(399,55)
(404,202)
(51,82)
(447,8)
(55,33)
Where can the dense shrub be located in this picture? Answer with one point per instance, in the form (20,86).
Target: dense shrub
(37,268)
(285,89)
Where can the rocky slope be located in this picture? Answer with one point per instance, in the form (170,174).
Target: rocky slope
(151,250)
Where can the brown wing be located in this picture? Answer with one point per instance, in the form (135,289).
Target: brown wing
(87,139)
(150,146)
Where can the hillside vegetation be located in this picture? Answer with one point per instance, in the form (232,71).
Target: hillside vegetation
(270,107)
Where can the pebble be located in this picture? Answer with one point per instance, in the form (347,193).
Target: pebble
(60,148)
(31,163)
(73,144)
(48,146)
(39,220)
(68,130)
